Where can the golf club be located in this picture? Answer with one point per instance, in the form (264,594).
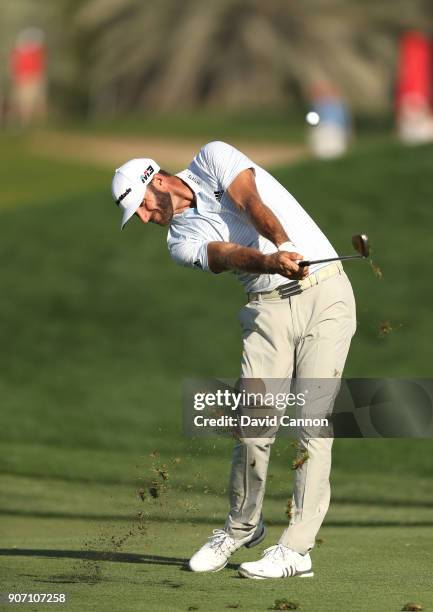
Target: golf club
(360,244)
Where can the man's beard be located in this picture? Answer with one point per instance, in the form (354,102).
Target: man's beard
(165,206)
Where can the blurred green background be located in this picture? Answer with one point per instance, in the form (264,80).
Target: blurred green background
(99,328)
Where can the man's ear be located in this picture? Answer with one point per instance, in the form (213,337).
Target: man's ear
(159,181)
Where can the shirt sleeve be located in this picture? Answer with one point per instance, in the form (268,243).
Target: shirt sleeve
(190,253)
(220,163)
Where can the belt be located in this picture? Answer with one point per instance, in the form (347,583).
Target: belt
(296,287)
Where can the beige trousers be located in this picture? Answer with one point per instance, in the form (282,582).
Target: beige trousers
(307,336)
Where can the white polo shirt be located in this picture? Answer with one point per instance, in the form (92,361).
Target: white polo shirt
(217,218)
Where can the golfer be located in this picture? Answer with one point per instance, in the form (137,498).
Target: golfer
(226,213)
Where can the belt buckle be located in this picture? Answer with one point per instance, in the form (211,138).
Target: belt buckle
(289,289)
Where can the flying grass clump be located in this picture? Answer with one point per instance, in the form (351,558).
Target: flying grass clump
(300,460)
(376,270)
(119,541)
(301,457)
(285,604)
(141,525)
(158,484)
(386,327)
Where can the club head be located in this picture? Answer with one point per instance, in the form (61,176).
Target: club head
(360,244)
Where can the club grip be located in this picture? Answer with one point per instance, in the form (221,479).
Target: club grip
(303,264)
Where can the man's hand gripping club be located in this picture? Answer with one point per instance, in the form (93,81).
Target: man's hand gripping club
(224,256)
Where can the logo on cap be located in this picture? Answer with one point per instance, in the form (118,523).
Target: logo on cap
(123,196)
(148,172)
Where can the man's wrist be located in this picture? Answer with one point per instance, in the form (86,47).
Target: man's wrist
(287,246)
(270,263)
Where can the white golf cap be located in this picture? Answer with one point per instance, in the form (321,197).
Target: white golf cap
(129,185)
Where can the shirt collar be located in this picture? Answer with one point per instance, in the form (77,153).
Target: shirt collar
(205,201)
(192,180)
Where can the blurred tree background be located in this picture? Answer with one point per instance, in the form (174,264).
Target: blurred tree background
(111,57)
(99,328)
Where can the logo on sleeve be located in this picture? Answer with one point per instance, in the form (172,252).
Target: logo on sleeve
(218,195)
(194,178)
(197,264)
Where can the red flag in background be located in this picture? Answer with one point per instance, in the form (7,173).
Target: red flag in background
(28,77)
(414,67)
(28,61)
(414,88)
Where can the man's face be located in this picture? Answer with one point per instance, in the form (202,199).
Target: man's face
(156,207)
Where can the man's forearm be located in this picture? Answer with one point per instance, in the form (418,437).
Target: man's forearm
(229,256)
(226,256)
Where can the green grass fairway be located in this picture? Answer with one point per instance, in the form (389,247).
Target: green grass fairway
(98,330)
(248,126)
(356,569)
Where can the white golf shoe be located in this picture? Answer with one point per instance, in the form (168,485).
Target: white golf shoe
(278,562)
(214,555)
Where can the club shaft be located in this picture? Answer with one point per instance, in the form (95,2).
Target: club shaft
(304,264)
